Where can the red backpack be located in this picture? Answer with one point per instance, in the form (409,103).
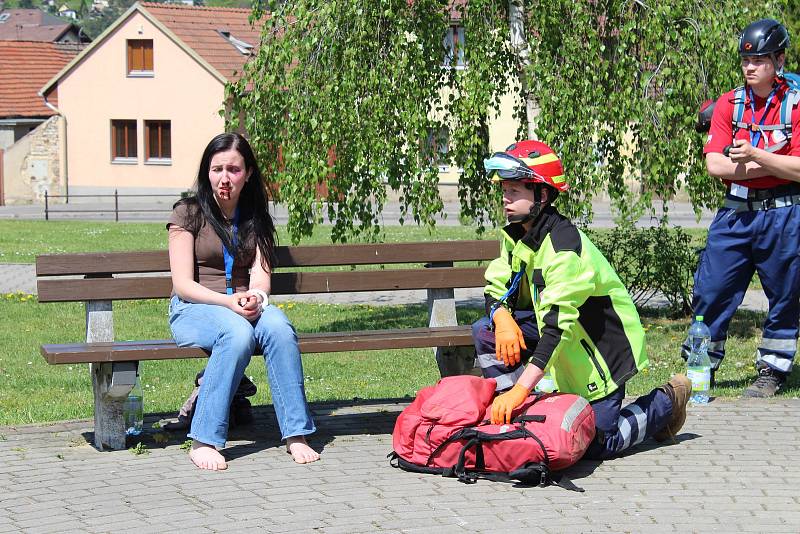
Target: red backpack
(447,431)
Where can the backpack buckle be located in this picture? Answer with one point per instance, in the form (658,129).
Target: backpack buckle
(542,479)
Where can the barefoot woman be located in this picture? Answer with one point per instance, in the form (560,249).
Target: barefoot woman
(215,237)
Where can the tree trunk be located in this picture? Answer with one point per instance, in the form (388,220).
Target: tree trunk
(516,22)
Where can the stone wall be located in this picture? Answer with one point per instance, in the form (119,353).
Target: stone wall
(32,165)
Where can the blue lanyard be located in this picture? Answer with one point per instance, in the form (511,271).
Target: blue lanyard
(755,136)
(511,290)
(229,256)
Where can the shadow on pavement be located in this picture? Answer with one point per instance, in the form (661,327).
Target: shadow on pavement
(652,444)
(333,419)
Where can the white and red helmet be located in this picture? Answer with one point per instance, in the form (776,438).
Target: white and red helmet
(527,161)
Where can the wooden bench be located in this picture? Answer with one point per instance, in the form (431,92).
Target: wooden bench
(99,279)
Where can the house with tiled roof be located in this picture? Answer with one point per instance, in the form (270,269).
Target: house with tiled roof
(142,101)
(29,132)
(36,25)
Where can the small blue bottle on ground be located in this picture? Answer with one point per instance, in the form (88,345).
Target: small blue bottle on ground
(698,365)
(133,410)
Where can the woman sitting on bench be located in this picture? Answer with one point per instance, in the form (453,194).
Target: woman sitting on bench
(214,238)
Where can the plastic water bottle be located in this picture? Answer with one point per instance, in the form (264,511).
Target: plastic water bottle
(698,365)
(133,410)
(545,385)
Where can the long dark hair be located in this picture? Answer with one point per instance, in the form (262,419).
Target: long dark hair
(256,228)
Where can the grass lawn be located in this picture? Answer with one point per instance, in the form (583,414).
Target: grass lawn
(22,241)
(31,391)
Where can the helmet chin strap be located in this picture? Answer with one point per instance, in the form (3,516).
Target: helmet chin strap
(778,70)
(536,207)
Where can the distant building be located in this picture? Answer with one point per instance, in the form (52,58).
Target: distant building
(143,100)
(36,25)
(31,157)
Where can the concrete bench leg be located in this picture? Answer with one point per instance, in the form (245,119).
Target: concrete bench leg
(442,312)
(111,383)
(456,361)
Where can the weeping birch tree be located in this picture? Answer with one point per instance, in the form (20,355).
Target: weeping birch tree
(343,100)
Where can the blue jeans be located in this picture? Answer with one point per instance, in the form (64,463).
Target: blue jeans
(232,339)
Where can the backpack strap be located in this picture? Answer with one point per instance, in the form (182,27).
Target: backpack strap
(528,474)
(788,103)
(790,99)
(531,474)
(739,99)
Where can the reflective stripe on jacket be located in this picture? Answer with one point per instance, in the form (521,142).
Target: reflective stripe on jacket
(592,340)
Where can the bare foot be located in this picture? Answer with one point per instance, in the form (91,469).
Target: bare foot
(207,457)
(300,451)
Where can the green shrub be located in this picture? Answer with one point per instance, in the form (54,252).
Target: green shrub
(658,261)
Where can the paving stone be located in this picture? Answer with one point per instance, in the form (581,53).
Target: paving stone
(65,525)
(355,529)
(655,489)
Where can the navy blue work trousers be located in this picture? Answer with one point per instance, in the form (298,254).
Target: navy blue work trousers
(618,428)
(739,244)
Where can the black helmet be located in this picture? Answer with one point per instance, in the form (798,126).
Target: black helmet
(763,37)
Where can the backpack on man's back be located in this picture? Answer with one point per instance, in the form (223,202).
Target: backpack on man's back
(706,110)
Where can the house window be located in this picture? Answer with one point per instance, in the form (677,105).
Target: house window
(454,47)
(123,141)
(158,142)
(439,144)
(140,57)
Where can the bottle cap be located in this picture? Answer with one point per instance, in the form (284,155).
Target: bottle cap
(699,318)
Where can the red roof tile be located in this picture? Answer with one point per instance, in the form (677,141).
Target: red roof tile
(199,28)
(25,66)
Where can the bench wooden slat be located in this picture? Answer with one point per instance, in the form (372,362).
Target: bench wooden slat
(388,253)
(102,263)
(303,256)
(154,287)
(74,353)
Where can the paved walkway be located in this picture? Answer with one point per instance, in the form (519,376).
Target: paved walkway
(157,210)
(733,469)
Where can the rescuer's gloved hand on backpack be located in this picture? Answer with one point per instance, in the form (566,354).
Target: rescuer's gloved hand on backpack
(508,337)
(505,403)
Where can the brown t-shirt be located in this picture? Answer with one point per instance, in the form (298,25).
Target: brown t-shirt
(209,260)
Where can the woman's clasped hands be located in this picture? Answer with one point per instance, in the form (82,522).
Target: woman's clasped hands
(246,304)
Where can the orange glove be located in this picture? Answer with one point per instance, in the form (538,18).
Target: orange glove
(504,404)
(507,337)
